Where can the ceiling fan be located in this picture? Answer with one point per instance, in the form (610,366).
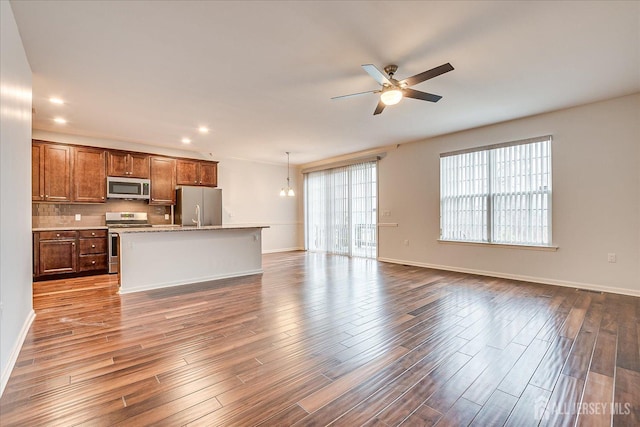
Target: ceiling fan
(393,90)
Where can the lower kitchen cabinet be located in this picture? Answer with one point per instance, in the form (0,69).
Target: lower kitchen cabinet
(92,250)
(69,252)
(54,252)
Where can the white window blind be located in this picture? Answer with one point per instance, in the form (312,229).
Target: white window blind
(340,210)
(498,194)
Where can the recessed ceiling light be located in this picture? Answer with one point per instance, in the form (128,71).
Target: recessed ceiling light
(60,120)
(186,141)
(55,100)
(203,129)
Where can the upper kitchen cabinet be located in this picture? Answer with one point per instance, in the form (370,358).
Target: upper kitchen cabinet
(196,172)
(37,171)
(51,172)
(163,181)
(89,174)
(128,165)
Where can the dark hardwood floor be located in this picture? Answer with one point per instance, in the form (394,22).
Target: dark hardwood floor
(319,340)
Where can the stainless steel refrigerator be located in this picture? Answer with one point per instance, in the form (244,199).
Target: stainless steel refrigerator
(209,201)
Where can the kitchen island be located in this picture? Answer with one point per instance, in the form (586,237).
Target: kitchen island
(158,257)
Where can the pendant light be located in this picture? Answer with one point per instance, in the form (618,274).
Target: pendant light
(288,191)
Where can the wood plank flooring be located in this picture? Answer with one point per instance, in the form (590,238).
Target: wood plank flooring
(328,340)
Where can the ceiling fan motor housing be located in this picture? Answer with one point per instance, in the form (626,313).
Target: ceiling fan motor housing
(391,69)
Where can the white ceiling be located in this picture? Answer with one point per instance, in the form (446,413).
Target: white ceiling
(260,73)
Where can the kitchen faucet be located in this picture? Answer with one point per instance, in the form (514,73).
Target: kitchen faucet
(197,220)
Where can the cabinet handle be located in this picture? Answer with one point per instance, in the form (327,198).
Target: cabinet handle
(103,198)
(93,246)
(42,195)
(57,234)
(46,195)
(93,234)
(93,262)
(73,244)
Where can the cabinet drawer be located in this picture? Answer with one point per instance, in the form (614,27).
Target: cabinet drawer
(92,233)
(57,235)
(92,262)
(93,246)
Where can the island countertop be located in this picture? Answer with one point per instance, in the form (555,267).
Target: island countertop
(180,228)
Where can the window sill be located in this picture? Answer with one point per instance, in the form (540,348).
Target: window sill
(501,245)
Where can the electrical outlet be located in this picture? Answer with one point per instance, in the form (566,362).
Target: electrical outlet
(166,216)
(78,217)
(611,257)
(406,242)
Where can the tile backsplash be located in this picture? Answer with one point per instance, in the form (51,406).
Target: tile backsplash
(63,214)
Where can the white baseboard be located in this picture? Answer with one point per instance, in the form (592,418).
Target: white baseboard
(273,251)
(15,351)
(542,280)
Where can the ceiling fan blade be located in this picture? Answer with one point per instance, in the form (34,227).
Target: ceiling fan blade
(355,94)
(424,96)
(429,74)
(378,75)
(379,107)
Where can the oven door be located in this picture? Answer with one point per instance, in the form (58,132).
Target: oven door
(113,252)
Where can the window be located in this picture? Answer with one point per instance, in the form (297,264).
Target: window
(498,194)
(340,210)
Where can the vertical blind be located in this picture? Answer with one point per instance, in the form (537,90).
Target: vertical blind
(340,210)
(499,194)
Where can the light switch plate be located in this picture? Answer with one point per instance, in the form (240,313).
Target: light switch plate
(78,217)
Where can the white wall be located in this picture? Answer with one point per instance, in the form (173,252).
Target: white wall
(16,313)
(250,190)
(251,196)
(596,200)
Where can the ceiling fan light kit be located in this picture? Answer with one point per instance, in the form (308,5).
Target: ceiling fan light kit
(393,90)
(391,96)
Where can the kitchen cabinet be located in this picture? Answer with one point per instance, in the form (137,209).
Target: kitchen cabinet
(196,172)
(128,165)
(54,252)
(50,172)
(37,172)
(92,250)
(163,181)
(69,251)
(89,175)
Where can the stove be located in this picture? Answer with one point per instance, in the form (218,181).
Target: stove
(127,219)
(119,220)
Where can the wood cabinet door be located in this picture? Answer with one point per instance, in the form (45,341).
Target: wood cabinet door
(138,165)
(89,175)
(163,181)
(37,172)
(57,173)
(187,172)
(117,164)
(56,257)
(209,174)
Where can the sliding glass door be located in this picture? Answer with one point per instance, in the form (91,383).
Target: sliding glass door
(340,210)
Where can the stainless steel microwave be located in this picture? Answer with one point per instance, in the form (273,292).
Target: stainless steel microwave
(128,188)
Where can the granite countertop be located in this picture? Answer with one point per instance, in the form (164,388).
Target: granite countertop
(61,228)
(179,228)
